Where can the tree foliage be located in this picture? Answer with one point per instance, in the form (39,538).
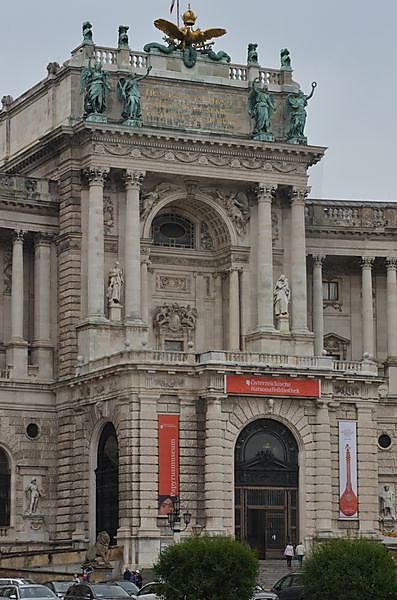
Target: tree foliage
(350,570)
(207,568)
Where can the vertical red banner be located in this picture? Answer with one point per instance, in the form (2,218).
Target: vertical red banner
(168,434)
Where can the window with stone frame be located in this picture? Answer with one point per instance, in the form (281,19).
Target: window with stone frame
(173,231)
(330,291)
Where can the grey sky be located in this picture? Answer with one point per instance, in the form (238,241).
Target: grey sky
(348,46)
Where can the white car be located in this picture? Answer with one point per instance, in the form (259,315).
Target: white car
(148,592)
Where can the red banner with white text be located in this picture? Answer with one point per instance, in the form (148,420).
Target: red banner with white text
(272,386)
(168,438)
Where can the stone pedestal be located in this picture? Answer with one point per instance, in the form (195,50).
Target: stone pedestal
(283,323)
(115,312)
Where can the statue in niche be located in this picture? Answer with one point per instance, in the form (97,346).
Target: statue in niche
(281,297)
(285,60)
(295,111)
(252,55)
(387,503)
(116,282)
(123,37)
(260,108)
(87,33)
(129,94)
(94,84)
(33,494)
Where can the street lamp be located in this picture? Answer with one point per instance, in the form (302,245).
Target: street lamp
(174,517)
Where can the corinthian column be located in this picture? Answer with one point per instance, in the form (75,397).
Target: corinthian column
(95,247)
(298,260)
(17,350)
(367,317)
(132,245)
(318,317)
(42,347)
(264,273)
(234,309)
(391,264)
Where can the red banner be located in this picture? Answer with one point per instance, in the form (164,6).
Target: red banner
(271,386)
(168,433)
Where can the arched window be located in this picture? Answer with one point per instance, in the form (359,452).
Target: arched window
(173,231)
(5,489)
(107,483)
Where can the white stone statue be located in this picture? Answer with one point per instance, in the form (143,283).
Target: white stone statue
(33,494)
(281,296)
(116,282)
(387,503)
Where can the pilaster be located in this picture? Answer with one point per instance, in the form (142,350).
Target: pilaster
(367,315)
(214,466)
(42,350)
(298,260)
(132,260)
(318,316)
(264,274)
(17,348)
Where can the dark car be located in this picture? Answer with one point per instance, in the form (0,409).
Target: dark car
(289,587)
(128,586)
(95,591)
(59,587)
(26,591)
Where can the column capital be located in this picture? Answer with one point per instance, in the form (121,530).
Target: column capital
(391,263)
(299,194)
(265,192)
(44,238)
(18,236)
(96,175)
(133,179)
(367,262)
(318,259)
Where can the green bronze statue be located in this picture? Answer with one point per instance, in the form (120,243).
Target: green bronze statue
(129,95)
(87,33)
(285,60)
(94,84)
(252,54)
(260,108)
(123,37)
(295,111)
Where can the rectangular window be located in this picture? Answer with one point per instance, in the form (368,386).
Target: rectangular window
(330,291)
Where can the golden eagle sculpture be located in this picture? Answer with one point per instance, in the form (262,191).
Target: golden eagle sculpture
(186,36)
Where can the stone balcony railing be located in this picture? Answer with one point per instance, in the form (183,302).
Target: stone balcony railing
(17,187)
(377,217)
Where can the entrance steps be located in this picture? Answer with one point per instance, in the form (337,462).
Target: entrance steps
(271,570)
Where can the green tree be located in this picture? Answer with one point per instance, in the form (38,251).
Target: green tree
(207,568)
(350,570)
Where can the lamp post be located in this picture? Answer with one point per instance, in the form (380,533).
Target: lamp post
(174,517)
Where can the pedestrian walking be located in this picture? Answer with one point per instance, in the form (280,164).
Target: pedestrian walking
(289,554)
(300,553)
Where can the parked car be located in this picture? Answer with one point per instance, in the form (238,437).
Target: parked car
(128,586)
(59,587)
(261,594)
(150,591)
(27,591)
(289,587)
(14,581)
(96,591)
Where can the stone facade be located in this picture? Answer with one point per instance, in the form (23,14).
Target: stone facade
(77,196)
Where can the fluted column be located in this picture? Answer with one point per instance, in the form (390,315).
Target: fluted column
(318,316)
(42,347)
(391,264)
(298,260)
(234,309)
(95,247)
(264,292)
(367,315)
(132,245)
(17,349)
(214,466)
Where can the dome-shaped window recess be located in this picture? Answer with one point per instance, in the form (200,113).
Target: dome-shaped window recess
(173,231)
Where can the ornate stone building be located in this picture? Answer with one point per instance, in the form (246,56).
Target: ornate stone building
(141,279)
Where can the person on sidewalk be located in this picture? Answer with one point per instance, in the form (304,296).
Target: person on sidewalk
(300,553)
(289,554)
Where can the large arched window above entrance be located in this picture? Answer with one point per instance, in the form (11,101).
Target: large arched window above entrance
(173,231)
(5,489)
(107,483)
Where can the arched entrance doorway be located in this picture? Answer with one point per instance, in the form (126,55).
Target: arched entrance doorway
(266,487)
(107,483)
(5,489)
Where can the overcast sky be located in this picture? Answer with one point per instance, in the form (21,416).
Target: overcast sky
(348,46)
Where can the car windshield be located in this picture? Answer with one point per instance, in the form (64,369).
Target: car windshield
(108,591)
(61,586)
(128,586)
(36,591)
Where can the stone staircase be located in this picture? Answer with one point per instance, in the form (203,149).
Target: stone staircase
(271,570)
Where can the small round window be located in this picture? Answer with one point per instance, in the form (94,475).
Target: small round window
(32,431)
(384,441)
(173,231)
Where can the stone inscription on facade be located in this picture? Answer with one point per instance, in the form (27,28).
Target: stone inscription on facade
(162,106)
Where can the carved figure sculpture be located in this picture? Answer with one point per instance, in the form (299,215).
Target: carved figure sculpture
(123,37)
(295,110)
(281,296)
(98,553)
(87,33)
(252,54)
(260,108)
(94,84)
(33,494)
(237,208)
(116,282)
(387,503)
(285,60)
(128,93)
